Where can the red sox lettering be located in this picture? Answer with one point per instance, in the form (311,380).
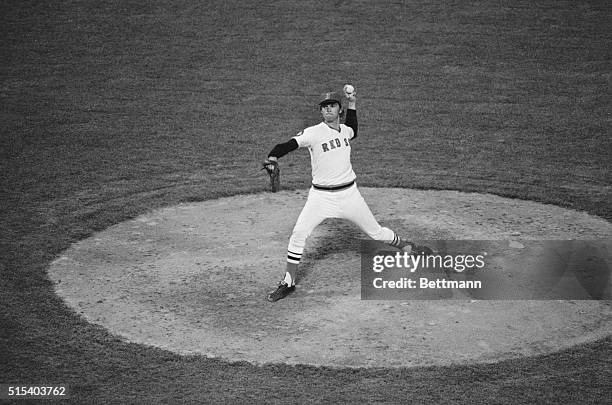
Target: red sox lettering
(333,144)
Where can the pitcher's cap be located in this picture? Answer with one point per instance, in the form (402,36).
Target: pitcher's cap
(330,97)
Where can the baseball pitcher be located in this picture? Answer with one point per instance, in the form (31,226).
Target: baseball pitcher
(334,193)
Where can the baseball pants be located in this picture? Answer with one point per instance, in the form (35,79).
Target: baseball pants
(346,204)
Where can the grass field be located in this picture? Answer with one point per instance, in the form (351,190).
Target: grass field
(113,108)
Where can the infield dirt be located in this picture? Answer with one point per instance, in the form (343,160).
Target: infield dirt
(192,279)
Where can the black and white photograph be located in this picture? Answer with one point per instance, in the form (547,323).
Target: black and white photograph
(297,202)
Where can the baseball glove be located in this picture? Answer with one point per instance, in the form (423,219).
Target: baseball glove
(273,170)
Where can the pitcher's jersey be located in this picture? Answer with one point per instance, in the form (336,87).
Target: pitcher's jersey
(330,153)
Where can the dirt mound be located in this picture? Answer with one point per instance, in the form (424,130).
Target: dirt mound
(192,279)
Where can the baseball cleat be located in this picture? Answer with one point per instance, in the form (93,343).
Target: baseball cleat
(418,250)
(281,292)
(424,250)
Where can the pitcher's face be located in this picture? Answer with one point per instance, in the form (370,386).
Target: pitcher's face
(330,111)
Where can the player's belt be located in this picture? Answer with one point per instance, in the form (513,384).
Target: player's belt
(334,188)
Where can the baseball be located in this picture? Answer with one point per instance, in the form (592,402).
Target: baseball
(348,89)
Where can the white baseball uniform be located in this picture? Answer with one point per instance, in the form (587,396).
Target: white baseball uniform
(334,193)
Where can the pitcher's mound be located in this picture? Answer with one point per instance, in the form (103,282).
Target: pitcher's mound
(193,279)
